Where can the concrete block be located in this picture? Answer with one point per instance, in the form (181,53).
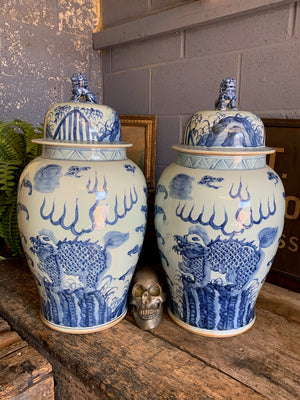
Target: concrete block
(270,76)
(297,20)
(249,31)
(168,133)
(186,86)
(116,11)
(128,92)
(152,51)
(162,4)
(106,61)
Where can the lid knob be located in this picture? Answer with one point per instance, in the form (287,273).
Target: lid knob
(227,95)
(80,89)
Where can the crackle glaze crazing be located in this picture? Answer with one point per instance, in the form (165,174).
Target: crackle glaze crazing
(218,231)
(82,214)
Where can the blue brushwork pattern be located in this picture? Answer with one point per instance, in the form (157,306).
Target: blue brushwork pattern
(72,273)
(272,176)
(160,211)
(128,204)
(83,124)
(140,228)
(210,181)
(162,189)
(22,207)
(27,184)
(130,168)
(222,303)
(220,130)
(190,217)
(47,179)
(60,221)
(135,250)
(181,187)
(75,171)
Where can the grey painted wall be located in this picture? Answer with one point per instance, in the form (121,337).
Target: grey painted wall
(175,75)
(42,43)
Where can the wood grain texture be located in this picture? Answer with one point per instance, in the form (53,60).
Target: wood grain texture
(21,371)
(24,373)
(124,362)
(280,301)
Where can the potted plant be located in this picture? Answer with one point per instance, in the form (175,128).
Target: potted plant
(16,151)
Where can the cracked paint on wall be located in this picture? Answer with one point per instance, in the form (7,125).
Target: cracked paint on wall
(42,44)
(77,15)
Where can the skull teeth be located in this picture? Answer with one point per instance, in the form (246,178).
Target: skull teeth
(148,313)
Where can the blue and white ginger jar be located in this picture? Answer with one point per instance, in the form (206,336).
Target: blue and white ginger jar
(82,214)
(219,214)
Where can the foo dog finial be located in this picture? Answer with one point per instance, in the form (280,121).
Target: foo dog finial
(227,95)
(80,89)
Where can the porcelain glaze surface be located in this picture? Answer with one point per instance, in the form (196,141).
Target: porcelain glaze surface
(82,213)
(219,216)
(225,129)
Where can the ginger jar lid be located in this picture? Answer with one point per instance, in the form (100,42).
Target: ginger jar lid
(82,124)
(225,130)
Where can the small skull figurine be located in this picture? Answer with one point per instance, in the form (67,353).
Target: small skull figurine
(146,299)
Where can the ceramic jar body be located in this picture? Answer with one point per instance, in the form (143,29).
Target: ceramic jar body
(82,223)
(218,221)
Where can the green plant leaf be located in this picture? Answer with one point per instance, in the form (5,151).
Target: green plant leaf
(9,176)
(16,151)
(9,228)
(12,145)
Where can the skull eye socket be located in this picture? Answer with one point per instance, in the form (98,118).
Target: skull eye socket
(137,291)
(154,290)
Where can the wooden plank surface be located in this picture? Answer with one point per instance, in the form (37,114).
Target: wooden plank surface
(166,363)
(24,373)
(280,301)
(266,358)
(122,362)
(23,370)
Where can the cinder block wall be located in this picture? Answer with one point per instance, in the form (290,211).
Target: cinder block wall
(42,43)
(175,75)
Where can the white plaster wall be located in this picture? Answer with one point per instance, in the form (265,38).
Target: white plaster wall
(42,43)
(175,75)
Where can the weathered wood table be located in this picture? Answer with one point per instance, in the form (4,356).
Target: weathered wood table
(24,373)
(125,362)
